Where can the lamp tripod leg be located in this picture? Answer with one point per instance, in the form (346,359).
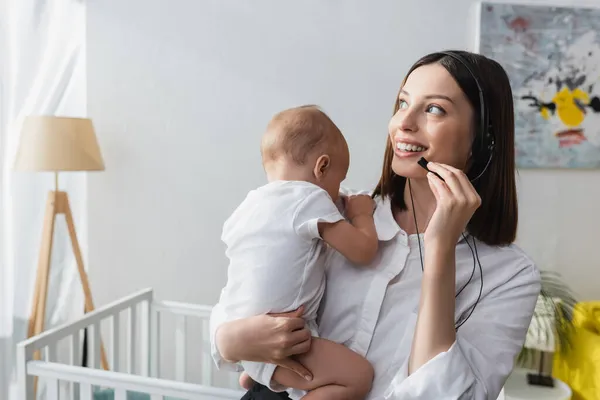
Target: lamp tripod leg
(38,310)
(89,303)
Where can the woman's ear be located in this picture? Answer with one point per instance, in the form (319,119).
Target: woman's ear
(321,166)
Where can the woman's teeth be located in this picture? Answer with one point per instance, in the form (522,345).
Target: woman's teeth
(409,147)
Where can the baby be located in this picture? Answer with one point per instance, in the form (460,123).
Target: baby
(276,244)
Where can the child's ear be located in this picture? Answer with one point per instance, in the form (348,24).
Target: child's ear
(321,166)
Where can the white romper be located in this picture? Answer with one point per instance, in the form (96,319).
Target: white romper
(276,256)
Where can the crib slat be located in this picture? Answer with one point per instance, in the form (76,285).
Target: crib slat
(97,343)
(155,344)
(85,391)
(180,345)
(115,340)
(145,339)
(131,340)
(74,349)
(52,388)
(120,394)
(51,354)
(93,356)
(91,347)
(207,362)
(74,360)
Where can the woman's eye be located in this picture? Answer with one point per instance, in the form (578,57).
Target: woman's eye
(402,104)
(435,110)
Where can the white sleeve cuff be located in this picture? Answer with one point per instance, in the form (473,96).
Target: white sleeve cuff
(446,376)
(263,374)
(217,317)
(313,225)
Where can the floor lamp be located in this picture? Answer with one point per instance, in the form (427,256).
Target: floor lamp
(57,144)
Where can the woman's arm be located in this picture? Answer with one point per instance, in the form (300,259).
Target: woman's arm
(477,363)
(456,201)
(435,332)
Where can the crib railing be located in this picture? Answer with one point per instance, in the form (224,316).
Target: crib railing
(121,383)
(182,312)
(141,350)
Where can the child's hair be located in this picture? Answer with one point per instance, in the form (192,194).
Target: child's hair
(297,132)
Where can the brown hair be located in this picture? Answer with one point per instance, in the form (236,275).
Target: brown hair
(297,132)
(495,221)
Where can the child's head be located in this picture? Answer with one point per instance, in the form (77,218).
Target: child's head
(303,143)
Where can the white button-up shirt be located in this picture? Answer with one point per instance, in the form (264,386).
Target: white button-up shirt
(373,311)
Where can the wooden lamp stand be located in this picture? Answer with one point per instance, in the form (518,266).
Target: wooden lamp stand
(57,204)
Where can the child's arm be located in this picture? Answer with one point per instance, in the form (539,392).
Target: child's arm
(317,217)
(356,240)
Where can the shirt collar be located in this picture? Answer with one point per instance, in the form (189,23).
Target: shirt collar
(385,224)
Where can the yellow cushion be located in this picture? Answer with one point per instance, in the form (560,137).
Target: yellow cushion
(579,367)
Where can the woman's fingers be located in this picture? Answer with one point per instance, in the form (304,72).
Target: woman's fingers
(463,192)
(293,341)
(300,348)
(439,189)
(299,342)
(290,324)
(296,367)
(450,179)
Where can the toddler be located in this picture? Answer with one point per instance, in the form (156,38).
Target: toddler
(276,243)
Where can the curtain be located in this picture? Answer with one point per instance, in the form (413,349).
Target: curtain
(42,72)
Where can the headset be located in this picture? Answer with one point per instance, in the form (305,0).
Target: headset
(483,152)
(484,144)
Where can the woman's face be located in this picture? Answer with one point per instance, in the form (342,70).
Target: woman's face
(434,120)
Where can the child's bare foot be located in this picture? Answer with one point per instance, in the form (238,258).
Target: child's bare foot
(245,381)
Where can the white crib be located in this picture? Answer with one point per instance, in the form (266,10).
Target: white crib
(141,372)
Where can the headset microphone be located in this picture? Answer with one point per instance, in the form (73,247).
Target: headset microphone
(423,163)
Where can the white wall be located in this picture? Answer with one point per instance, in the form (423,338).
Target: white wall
(180,92)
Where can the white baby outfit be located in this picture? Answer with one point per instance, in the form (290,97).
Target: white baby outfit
(276,256)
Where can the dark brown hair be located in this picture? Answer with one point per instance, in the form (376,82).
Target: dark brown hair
(495,222)
(298,131)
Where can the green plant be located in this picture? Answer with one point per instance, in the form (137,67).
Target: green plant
(556,304)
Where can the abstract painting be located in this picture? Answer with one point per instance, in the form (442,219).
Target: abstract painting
(552,57)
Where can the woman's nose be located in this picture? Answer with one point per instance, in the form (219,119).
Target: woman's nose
(407,121)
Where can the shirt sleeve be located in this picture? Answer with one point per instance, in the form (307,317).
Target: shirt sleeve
(217,317)
(316,207)
(479,361)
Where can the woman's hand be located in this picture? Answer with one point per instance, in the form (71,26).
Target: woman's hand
(456,199)
(267,338)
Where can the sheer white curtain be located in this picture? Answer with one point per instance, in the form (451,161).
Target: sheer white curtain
(42,71)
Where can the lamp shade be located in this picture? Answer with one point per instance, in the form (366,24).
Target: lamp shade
(49,143)
(540,335)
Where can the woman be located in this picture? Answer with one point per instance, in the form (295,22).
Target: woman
(445,307)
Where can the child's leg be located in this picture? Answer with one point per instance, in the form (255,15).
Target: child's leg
(245,381)
(338,373)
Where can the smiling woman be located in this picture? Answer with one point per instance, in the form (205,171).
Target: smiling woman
(420,313)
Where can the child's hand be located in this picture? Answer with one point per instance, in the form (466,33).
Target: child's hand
(361,204)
